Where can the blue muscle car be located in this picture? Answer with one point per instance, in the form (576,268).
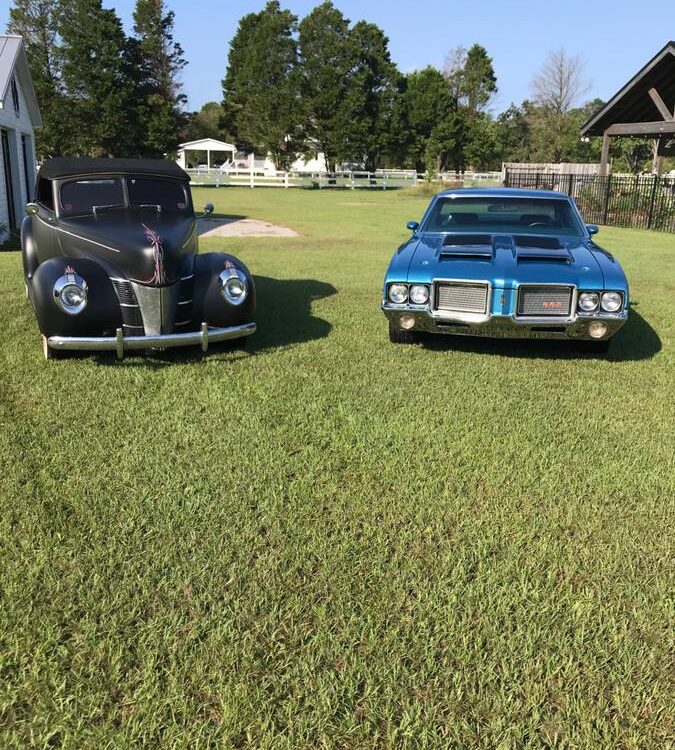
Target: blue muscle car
(504,263)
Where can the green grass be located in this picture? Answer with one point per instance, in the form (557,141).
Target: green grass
(327,541)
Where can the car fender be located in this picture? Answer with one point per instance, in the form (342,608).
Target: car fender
(209,304)
(102,313)
(28,248)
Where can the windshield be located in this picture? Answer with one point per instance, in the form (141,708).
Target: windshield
(508,215)
(82,196)
(92,195)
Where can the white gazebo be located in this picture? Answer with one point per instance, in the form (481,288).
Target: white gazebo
(210,145)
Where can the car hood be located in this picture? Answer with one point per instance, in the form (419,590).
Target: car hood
(503,260)
(146,247)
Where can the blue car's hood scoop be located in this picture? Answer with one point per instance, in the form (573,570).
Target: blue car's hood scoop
(467,245)
(530,247)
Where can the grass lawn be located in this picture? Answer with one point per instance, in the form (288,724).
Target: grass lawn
(327,541)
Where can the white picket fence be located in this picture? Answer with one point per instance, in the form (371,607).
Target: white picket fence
(381,179)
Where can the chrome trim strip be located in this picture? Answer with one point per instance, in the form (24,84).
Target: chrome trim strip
(186,302)
(203,337)
(187,278)
(127,304)
(77,236)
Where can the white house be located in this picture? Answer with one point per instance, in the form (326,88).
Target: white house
(19,116)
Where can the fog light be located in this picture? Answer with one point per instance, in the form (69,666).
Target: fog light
(407,322)
(597,329)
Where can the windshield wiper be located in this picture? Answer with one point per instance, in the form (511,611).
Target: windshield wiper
(156,206)
(95,209)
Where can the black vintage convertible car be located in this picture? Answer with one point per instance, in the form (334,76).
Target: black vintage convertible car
(111,261)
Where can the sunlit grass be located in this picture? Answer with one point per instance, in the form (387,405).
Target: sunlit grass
(326,541)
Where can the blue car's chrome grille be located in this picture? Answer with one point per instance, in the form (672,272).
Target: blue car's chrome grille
(544,301)
(452,296)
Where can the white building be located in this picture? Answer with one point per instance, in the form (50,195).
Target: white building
(224,153)
(19,116)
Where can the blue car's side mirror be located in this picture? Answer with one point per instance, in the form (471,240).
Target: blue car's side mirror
(413,226)
(592,228)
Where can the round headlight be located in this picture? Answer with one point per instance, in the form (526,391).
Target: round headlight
(611,301)
(419,294)
(70,293)
(588,301)
(398,293)
(233,286)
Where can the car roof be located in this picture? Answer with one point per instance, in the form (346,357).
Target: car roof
(501,193)
(60,167)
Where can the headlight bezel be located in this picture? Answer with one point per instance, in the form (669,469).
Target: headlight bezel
(403,296)
(427,294)
(607,293)
(62,285)
(227,279)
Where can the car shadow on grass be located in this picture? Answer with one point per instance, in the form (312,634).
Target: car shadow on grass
(636,341)
(283,316)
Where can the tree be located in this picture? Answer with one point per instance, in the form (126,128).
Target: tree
(161,62)
(37,22)
(261,97)
(327,63)
(206,123)
(373,92)
(512,131)
(101,77)
(560,83)
(445,146)
(428,103)
(471,77)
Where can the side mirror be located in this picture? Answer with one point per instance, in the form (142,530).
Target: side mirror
(413,226)
(592,228)
(31,208)
(208,209)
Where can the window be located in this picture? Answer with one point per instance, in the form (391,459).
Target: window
(84,196)
(15,97)
(44,195)
(508,215)
(148,191)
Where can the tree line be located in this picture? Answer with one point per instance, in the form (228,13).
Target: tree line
(292,87)
(100,91)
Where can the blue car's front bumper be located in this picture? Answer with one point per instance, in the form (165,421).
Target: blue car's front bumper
(574,328)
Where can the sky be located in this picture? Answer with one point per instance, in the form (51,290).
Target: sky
(614,38)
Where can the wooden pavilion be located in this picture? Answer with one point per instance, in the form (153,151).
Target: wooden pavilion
(645,107)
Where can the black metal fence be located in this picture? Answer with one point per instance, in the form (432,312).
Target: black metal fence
(640,201)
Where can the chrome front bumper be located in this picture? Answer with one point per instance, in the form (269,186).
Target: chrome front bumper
(506,326)
(121,344)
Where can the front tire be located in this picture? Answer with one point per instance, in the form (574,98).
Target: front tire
(398,336)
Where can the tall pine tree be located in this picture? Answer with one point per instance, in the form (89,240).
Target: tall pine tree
(37,22)
(161,62)
(102,77)
(261,97)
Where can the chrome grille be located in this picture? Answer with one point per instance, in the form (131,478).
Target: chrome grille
(544,301)
(460,297)
(131,314)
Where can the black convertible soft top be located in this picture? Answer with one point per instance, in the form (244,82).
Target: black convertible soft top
(59,167)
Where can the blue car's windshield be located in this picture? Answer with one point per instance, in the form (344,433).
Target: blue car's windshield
(504,215)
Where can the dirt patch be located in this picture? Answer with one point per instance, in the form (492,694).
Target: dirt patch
(212,226)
